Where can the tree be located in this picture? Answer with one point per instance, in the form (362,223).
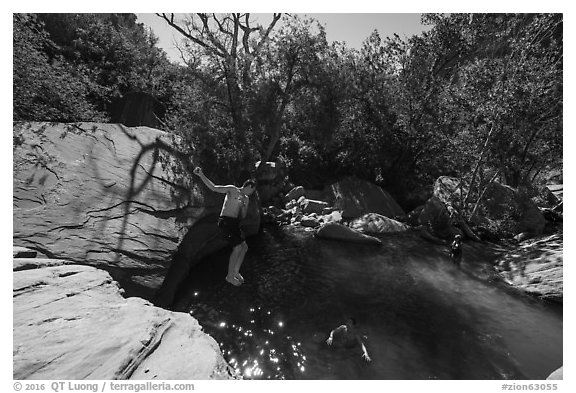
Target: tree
(506,93)
(47,88)
(228,45)
(119,54)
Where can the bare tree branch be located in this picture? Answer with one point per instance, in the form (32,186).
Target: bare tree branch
(172,23)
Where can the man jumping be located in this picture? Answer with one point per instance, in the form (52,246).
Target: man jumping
(234,208)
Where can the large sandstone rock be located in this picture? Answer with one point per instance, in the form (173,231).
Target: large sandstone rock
(536,267)
(336,231)
(511,209)
(376,223)
(501,207)
(313,206)
(557,374)
(72,201)
(295,193)
(71,322)
(436,216)
(355,197)
(557,190)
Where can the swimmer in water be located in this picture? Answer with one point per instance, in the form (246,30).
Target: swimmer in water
(456,250)
(347,336)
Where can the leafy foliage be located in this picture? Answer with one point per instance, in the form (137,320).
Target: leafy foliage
(477,96)
(47,88)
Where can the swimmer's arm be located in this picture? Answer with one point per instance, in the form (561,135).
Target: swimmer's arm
(331,338)
(365,355)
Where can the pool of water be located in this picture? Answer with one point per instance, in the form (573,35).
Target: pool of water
(423,318)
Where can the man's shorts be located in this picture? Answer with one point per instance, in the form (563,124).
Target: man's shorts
(230,228)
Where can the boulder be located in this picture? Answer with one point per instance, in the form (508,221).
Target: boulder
(319,195)
(311,206)
(535,266)
(510,209)
(309,221)
(355,197)
(436,217)
(447,189)
(72,200)
(294,194)
(557,190)
(546,198)
(438,213)
(23,252)
(376,223)
(72,323)
(336,231)
(501,207)
(329,210)
(334,216)
(24,263)
(557,374)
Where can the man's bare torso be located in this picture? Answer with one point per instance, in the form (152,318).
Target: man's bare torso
(234,201)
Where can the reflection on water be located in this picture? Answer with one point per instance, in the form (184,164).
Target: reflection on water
(423,317)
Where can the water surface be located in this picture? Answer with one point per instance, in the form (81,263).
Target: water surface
(423,318)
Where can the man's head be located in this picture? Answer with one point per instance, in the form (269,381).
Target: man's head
(248,187)
(350,322)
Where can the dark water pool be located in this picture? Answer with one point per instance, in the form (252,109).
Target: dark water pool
(423,317)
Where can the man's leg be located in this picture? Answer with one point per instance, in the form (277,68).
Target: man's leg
(242,249)
(231,276)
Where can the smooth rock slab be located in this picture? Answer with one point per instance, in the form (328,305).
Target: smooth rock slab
(335,231)
(557,374)
(376,223)
(71,322)
(72,199)
(355,197)
(536,267)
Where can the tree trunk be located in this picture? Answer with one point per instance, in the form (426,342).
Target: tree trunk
(477,166)
(482,194)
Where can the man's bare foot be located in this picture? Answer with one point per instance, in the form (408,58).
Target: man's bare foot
(239,277)
(233,280)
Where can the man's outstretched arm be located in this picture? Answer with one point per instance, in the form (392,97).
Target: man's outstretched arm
(221,189)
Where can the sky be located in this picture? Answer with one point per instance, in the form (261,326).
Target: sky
(352,28)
